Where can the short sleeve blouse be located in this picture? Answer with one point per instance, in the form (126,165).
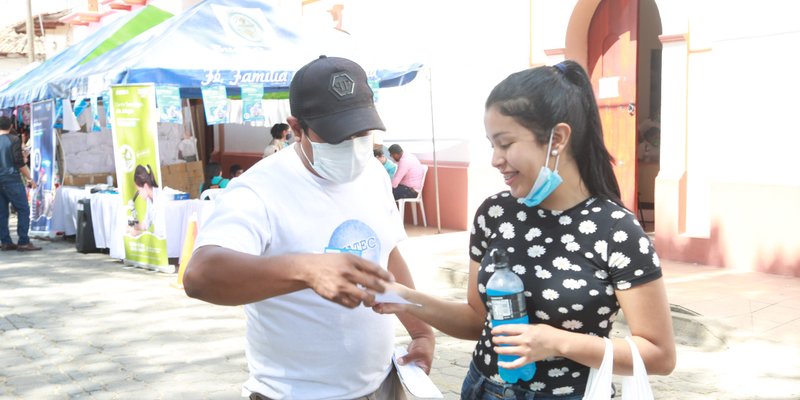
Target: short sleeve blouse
(571,263)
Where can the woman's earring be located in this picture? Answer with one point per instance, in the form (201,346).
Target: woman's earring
(554,153)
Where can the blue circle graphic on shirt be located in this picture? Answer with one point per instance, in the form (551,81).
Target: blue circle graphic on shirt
(359,237)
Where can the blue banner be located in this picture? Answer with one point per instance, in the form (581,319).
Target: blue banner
(58,123)
(95,116)
(107,108)
(79,106)
(43,151)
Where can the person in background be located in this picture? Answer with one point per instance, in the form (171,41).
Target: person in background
(581,255)
(390,167)
(12,190)
(214,178)
(187,148)
(306,237)
(279,132)
(27,144)
(236,170)
(649,148)
(407,181)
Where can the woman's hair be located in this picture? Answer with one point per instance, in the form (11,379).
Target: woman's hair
(144,175)
(278,129)
(540,98)
(234,169)
(212,170)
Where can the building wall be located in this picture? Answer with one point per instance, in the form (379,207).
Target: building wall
(728,188)
(732,201)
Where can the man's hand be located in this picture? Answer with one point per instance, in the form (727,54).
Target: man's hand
(345,278)
(420,352)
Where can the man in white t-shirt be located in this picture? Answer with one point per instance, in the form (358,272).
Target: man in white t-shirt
(187,147)
(304,239)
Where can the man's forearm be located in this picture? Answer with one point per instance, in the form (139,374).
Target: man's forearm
(221,276)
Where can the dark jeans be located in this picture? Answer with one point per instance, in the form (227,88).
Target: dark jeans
(404,192)
(13,191)
(478,387)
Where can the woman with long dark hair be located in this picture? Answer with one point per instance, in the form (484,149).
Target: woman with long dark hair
(148,188)
(580,254)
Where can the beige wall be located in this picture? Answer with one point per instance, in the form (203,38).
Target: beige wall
(728,188)
(726,198)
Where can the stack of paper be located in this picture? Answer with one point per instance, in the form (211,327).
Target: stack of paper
(415,379)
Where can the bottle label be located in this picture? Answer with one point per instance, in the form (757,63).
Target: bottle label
(510,306)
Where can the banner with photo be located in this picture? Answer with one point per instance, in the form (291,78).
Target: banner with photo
(168,99)
(134,122)
(252,97)
(215,102)
(42,159)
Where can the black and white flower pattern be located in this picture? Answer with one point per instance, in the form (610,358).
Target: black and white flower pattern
(571,263)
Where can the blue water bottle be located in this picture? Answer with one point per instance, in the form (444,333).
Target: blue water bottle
(507,306)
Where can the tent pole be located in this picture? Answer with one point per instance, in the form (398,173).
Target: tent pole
(435,162)
(29,29)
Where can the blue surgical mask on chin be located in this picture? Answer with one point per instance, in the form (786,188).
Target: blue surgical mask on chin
(546,182)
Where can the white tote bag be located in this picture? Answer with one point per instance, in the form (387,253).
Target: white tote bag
(636,387)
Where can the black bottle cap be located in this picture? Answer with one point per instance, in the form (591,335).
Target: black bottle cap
(499,258)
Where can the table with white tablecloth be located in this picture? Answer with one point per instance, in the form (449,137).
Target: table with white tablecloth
(110,220)
(178,214)
(65,209)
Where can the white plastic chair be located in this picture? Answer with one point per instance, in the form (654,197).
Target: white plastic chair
(401,203)
(210,194)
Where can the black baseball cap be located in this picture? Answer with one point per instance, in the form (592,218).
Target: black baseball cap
(332,95)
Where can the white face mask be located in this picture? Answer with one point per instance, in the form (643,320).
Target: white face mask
(341,162)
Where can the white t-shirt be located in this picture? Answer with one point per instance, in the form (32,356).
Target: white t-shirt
(188,147)
(299,345)
(154,214)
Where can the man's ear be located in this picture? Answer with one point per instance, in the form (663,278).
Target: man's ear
(294,124)
(561,135)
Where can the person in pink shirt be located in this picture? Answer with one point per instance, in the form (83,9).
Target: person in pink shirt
(407,181)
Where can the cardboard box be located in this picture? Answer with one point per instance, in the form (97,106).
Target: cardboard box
(81,180)
(186,177)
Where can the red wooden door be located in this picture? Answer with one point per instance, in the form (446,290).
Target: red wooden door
(612,67)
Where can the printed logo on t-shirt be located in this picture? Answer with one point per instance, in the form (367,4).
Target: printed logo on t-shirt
(355,237)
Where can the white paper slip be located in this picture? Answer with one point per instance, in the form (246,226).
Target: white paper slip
(414,378)
(390,297)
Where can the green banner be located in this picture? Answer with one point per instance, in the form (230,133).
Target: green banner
(135,132)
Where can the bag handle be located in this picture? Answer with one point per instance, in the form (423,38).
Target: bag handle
(636,387)
(598,386)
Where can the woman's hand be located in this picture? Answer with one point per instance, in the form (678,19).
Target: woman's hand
(134,230)
(392,308)
(531,343)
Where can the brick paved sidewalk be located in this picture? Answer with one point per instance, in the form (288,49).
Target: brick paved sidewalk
(84,326)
